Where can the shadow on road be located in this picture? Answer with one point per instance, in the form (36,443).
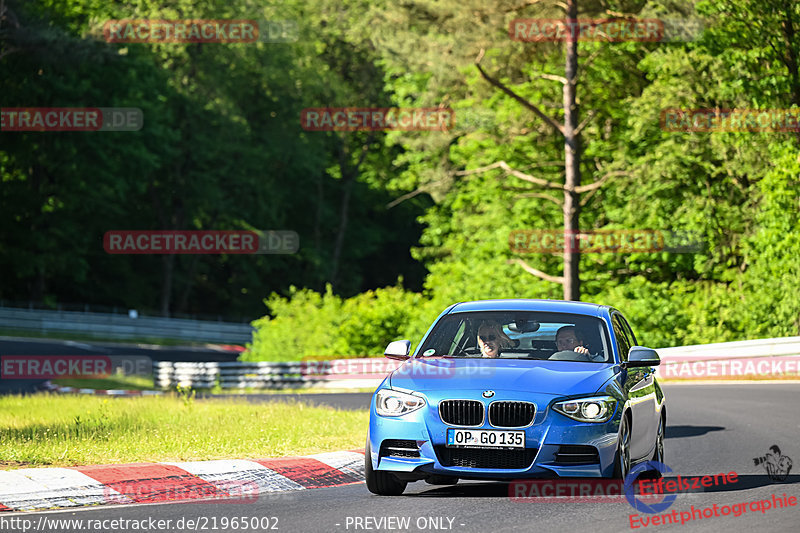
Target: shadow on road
(752,481)
(468,489)
(501,490)
(677,432)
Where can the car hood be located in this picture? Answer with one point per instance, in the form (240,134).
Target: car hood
(548,377)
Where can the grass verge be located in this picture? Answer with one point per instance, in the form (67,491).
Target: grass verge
(115,382)
(54,430)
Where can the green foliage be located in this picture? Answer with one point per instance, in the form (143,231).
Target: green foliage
(309,325)
(772,251)
(222,148)
(737,192)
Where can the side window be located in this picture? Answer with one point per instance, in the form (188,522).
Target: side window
(628,330)
(623,343)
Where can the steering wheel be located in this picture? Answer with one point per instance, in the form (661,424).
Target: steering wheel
(570,355)
(467,351)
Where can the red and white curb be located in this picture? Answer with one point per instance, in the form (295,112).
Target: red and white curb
(233,481)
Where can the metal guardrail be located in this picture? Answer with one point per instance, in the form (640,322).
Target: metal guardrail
(779,357)
(122,327)
(369,372)
(340,373)
(725,350)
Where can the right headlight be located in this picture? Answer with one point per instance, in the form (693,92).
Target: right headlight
(594,409)
(390,402)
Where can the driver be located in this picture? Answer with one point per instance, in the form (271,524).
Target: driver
(491,338)
(568,338)
(571,342)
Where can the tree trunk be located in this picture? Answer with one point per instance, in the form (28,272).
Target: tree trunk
(348,178)
(572,160)
(167,265)
(349,172)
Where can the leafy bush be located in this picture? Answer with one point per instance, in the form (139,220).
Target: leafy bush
(309,325)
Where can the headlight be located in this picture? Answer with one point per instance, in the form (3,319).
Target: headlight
(395,403)
(596,409)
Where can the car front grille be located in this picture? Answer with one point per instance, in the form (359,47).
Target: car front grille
(399,448)
(511,414)
(461,412)
(574,454)
(485,458)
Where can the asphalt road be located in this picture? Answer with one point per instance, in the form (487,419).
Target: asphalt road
(712,429)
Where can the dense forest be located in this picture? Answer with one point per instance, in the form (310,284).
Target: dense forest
(395,225)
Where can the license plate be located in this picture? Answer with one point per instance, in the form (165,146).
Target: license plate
(485,438)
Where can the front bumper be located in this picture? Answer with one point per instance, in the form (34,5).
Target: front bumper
(544,439)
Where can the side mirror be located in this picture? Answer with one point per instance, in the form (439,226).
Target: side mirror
(639,356)
(398,350)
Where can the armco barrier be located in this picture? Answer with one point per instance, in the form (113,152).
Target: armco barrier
(775,358)
(764,357)
(122,327)
(339,373)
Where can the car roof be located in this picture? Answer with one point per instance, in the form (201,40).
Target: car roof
(519,304)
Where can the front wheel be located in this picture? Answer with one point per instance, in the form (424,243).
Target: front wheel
(622,464)
(381,483)
(658,455)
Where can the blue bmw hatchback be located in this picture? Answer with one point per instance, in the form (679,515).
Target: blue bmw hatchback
(514,389)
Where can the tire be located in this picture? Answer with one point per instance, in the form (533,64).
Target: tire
(381,483)
(658,454)
(622,463)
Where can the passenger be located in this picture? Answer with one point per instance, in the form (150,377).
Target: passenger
(491,338)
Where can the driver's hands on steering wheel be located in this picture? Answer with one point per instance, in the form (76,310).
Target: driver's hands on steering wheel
(582,349)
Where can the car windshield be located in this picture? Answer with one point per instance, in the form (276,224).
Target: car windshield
(519,335)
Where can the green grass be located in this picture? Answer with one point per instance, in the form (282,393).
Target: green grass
(54,430)
(115,382)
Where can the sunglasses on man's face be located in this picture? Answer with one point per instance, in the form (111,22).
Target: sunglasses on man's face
(485,338)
